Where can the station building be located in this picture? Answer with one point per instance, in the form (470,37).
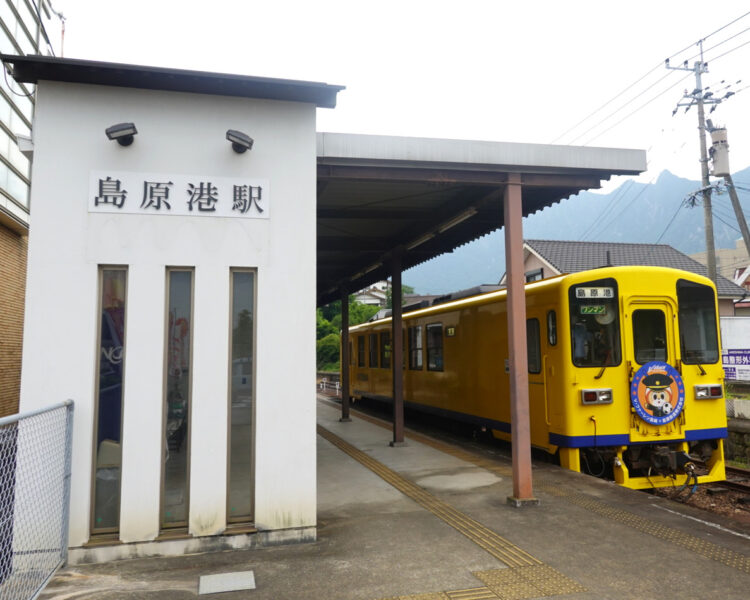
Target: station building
(185,226)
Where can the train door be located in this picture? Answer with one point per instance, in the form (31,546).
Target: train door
(655,385)
(537,385)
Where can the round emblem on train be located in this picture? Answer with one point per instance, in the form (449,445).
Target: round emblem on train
(657,393)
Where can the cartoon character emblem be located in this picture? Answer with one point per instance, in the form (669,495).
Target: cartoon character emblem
(657,393)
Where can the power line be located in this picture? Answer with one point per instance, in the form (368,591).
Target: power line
(620,108)
(637,109)
(674,216)
(649,72)
(627,205)
(619,193)
(607,103)
(715,58)
(725,223)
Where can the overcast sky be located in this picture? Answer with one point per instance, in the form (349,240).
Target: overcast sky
(486,70)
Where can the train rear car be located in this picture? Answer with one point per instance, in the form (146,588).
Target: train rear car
(625,379)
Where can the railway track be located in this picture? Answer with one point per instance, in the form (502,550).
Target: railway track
(737,479)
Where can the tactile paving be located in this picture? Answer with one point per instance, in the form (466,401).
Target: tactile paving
(700,546)
(690,542)
(502,549)
(536,581)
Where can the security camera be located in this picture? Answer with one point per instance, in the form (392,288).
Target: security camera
(240,141)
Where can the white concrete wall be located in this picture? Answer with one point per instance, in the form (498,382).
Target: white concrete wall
(182,134)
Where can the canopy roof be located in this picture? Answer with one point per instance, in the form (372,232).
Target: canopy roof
(417,197)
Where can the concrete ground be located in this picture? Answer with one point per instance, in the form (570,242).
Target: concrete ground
(427,521)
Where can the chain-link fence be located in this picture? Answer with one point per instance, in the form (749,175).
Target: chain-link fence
(35,454)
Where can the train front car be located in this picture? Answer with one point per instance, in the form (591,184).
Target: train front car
(647,379)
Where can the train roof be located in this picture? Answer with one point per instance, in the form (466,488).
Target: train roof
(569,278)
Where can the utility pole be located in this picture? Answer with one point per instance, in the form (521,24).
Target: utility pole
(699,97)
(720,161)
(738,212)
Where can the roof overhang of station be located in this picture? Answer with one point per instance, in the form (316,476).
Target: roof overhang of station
(381,196)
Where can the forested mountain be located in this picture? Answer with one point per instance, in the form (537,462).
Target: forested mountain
(634,212)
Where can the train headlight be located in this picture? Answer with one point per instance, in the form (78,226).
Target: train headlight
(596,396)
(708,392)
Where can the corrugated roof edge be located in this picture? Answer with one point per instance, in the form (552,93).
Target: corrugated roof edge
(33,68)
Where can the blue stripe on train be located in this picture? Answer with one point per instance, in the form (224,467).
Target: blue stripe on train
(558,439)
(587,441)
(706,434)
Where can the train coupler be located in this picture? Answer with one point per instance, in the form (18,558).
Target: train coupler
(668,462)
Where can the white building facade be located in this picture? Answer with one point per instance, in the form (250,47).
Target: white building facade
(171,295)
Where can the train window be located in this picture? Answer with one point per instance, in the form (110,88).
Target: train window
(415,348)
(649,336)
(360,351)
(385,349)
(435,347)
(552,327)
(351,358)
(697,316)
(533,346)
(403,345)
(373,350)
(595,324)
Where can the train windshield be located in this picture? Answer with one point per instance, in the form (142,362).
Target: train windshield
(595,324)
(697,315)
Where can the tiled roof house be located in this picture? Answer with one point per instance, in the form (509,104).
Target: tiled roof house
(547,258)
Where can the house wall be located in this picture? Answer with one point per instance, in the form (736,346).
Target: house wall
(533,263)
(727,259)
(726,307)
(13,250)
(179,133)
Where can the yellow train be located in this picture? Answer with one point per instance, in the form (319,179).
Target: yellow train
(625,378)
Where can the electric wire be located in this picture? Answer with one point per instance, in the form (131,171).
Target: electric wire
(618,194)
(674,216)
(715,58)
(649,72)
(604,225)
(610,115)
(28,95)
(726,223)
(42,28)
(607,103)
(637,109)
(652,70)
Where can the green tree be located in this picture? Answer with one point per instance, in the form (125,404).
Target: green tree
(328,327)
(328,352)
(324,326)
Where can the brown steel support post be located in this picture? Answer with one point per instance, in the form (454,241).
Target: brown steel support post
(397,353)
(518,362)
(345,418)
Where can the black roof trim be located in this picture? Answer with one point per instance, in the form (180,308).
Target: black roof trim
(33,68)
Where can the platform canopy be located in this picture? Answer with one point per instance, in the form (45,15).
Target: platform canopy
(420,197)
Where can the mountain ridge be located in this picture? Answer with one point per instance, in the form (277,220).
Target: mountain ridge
(634,212)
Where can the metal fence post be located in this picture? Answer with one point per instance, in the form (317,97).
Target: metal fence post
(67,477)
(35,472)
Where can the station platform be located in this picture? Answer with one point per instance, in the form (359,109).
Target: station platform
(430,521)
